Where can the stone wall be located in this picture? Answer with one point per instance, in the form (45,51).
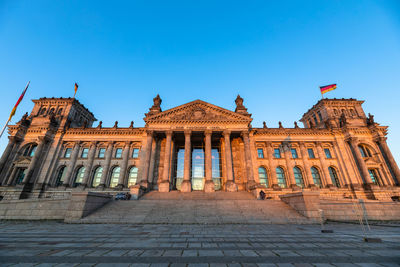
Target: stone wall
(351,210)
(84,203)
(33,209)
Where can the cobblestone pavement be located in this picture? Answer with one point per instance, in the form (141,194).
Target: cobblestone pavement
(59,244)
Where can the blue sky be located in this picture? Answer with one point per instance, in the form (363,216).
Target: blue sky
(274,53)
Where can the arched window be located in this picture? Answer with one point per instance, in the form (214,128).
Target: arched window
(97,176)
(51,112)
(79,176)
(59,111)
(43,111)
(29,150)
(316,177)
(365,152)
(262,174)
(298,176)
(115,176)
(334,176)
(374,176)
(353,112)
(280,175)
(133,172)
(61,176)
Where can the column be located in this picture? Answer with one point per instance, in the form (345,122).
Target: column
(32,165)
(12,176)
(307,166)
(209,184)
(289,165)
(8,157)
(392,163)
(361,163)
(251,184)
(146,160)
(164,185)
(124,165)
(7,151)
(89,164)
(230,184)
(324,167)
(107,165)
(272,167)
(71,164)
(152,162)
(186,185)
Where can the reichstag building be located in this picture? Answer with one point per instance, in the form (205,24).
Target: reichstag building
(58,149)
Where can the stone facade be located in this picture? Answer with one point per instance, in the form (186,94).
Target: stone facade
(340,152)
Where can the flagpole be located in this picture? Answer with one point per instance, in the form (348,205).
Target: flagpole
(5,126)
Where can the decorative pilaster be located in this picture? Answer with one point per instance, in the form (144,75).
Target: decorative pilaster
(164,185)
(361,163)
(33,165)
(89,164)
(251,184)
(290,166)
(392,163)
(272,167)
(107,165)
(209,184)
(325,171)
(7,151)
(8,155)
(186,185)
(146,159)
(125,158)
(307,166)
(152,162)
(230,184)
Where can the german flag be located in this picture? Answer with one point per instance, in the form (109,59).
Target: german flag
(76,88)
(19,100)
(327,88)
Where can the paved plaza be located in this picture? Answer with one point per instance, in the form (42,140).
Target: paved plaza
(58,244)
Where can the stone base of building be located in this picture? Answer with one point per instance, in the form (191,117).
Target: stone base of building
(209,187)
(231,186)
(164,187)
(186,186)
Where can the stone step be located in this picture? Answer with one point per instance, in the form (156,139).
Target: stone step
(196,211)
(198,195)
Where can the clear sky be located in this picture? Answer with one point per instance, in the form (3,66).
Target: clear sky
(274,53)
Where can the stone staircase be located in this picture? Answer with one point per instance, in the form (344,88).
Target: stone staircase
(196,208)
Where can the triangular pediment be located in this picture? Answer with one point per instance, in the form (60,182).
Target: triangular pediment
(198,111)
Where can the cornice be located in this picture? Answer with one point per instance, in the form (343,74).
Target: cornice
(104,131)
(291,131)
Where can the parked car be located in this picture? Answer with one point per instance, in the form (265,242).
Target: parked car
(122,196)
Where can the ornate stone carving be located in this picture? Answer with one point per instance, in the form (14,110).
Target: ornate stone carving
(264,125)
(240,108)
(156,108)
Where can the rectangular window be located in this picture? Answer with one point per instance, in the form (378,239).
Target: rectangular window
(102,151)
(294,153)
(67,153)
(311,154)
(260,153)
(277,153)
(328,153)
(85,152)
(118,153)
(135,153)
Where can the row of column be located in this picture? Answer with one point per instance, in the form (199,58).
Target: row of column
(186,186)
